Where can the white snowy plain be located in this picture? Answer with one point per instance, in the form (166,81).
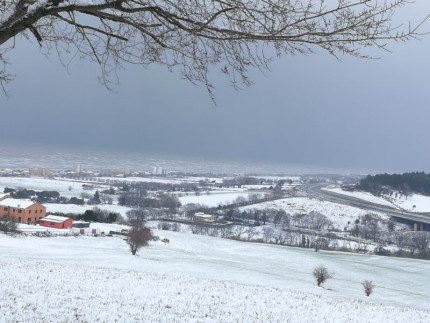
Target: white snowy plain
(201,279)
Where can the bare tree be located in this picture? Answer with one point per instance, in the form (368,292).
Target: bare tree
(417,241)
(138,236)
(279,216)
(136,214)
(268,233)
(400,240)
(321,243)
(421,241)
(368,287)
(196,229)
(176,227)
(226,232)
(318,221)
(214,232)
(238,231)
(251,233)
(231,35)
(280,237)
(321,274)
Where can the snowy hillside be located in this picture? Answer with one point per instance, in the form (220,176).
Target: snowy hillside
(214,199)
(201,279)
(411,203)
(366,196)
(339,214)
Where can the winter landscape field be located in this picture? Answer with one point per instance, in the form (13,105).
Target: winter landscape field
(189,276)
(214,161)
(200,279)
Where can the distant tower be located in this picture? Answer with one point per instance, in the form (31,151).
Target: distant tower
(158,170)
(77,168)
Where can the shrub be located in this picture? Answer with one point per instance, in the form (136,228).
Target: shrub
(8,226)
(321,274)
(368,287)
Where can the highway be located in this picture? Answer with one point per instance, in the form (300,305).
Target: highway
(316,191)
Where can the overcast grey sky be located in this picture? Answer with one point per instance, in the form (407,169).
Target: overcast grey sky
(313,110)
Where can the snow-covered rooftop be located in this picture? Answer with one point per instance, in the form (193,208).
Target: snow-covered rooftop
(55,218)
(20,204)
(203,215)
(3,195)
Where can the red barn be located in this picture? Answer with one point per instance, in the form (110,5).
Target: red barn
(55,221)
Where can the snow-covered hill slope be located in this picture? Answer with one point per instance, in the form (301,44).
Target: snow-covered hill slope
(201,279)
(411,203)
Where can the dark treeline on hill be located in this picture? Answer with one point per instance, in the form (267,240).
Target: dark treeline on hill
(39,197)
(407,183)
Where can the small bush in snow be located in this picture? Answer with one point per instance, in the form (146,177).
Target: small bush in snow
(165,226)
(368,287)
(321,274)
(8,226)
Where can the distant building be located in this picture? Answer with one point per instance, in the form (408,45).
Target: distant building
(4,196)
(81,224)
(39,172)
(200,216)
(57,222)
(77,168)
(21,211)
(158,170)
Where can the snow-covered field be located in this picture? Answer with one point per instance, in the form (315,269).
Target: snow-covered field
(201,279)
(360,195)
(214,198)
(65,187)
(339,214)
(412,203)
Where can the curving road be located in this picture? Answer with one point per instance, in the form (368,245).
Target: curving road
(316,190)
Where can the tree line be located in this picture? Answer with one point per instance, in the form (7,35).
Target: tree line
(55,197)
(406,183)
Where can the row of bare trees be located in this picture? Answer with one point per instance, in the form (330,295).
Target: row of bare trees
(279,217)
(268,234)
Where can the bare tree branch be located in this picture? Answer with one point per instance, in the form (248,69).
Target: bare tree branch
(196,36)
